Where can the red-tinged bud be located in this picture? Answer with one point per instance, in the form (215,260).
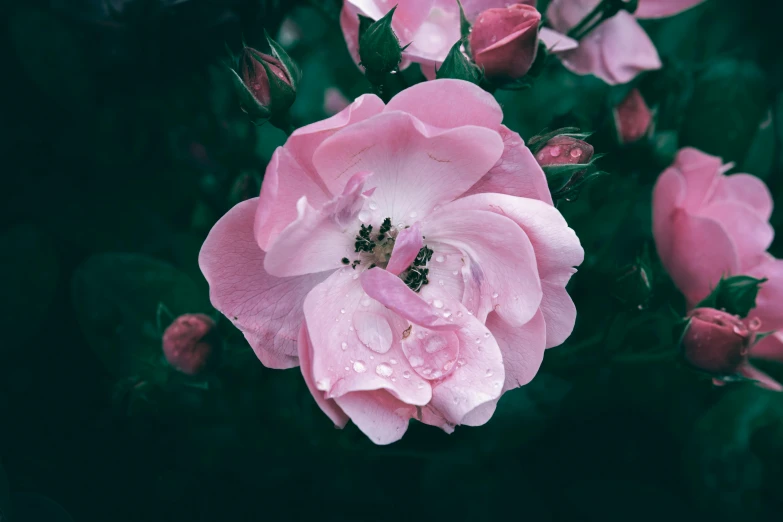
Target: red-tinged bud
(504,41)
(632,118)
(254,73)
(191,344)
(564,150)
(717,342)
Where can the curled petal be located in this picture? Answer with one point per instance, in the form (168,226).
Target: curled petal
(406,248)
(328,406)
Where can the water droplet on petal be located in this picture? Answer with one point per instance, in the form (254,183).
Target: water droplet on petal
(575,153)
(342,310)
(364,216)
(384,370)
(440,258)
(461,362)
(754,324)
(373,331)
(366,301)
(478,340)
(437,303)
(455,272)
(554,151)
(446,314)
(487,334)
(406,374)
(415,361)
(359,367)
(495,295)
(393,361)
(344,346)
(440,282)
(489,373)
(373,205)
(322,384)
(413,215)
(435,350)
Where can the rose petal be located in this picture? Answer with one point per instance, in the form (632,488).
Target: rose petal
(414,167)
(556,42)
(668,196)
(328,406)
(747,189)
(762,379)
(517,173)
(701,173)
(663,8)
(267,309)
(750,234)
(502,261)
(380,416)
(771,347)
(433,103)
(406,247)
(522,348)
(769,301)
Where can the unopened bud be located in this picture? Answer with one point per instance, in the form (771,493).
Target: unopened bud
(564,150)
(379,48)
(504,41)
(716,341)
(191,344)
(632,118)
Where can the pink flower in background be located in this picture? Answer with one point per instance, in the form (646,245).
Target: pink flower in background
(407,256)
(632,118)
(618,49)
(431,27)
(708,225)
(504,41)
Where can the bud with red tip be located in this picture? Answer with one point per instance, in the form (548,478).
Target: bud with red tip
(632,118)
(504,41)
(266,83)
(191,344)
(564,150)
(567,161)
(716,341)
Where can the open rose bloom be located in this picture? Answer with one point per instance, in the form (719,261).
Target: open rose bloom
(708,225)
(407,257)
(618,49)
(432,27)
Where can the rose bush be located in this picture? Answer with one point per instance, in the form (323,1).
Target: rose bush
(407,256)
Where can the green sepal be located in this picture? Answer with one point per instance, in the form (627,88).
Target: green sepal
(459,67)
(464,24)
(379,48)
(538,141)
(281,94)
(559,176)
(635,284)
(736,295)
(290,66)
(247,101)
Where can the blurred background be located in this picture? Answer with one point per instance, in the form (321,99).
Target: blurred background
(124,143)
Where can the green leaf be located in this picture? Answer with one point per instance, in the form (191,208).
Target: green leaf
(761,155)
(116,298)
(291,67)
(459,67)
(728,103)
(464,24)
(379,48)
(31,271)
(736,295)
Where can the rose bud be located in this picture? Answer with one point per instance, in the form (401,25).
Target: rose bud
(256,67)
(716,342)
(632,118)
(504,41)
(191,343)
(564,150)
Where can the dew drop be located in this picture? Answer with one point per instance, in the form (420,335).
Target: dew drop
(478,340)
(495,295)
(446,314)
(359,367)
(461,362)
(420,385)
(440,282)
(426,371)
(440,259)
(366,301)
(342,310)
(344,346)
(364,216)
(406,374)
(489,373)
(413,215)
(347,369)
(455,272)
(437,303)
(754,324)
(373,205)
(416,361)
(575,153)
(384,370)
(393,361)
(435,344)
(487,334)
(322,384)
(373,331)
(554,151)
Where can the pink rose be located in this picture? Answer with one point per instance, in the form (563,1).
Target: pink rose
(618,49)
(191,344)
(708,225)
(431,27)
(504,41)
(430,314)
(632,118)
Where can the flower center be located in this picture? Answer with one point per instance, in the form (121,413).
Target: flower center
(376,249)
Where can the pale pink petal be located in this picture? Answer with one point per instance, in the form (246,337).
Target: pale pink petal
(769,301)
(556,42)
(478,376)
(415,167)
(391,292)
(445,274)
(566,14)
(701,173)
(319,240)
(746,189)
(502,261)
(700,253)
(762,379)
(277,203)
(303,142)
(406,248)
(267,309)
(557,250)
(474,7)
(433,103)
(668,196)
(357,342)
(750,234)
(433,39)
(771,347)
(522,348)
(663,8)
(328,406)
(379,415)
(559,312)
(616,51)
(516,173)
